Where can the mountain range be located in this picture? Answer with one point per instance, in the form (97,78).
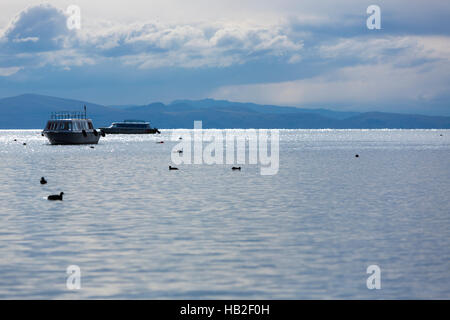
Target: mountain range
(31,111)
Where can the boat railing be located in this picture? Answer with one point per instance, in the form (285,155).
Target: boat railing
(60,115)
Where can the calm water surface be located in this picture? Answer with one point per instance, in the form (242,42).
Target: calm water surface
(138,230)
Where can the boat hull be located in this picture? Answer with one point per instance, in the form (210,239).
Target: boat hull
(88,137)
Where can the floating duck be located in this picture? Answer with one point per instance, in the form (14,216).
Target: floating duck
(54,197)
(172,168)
(43,181)
(236,168)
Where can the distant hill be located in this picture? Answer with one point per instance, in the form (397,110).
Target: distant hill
(31,111)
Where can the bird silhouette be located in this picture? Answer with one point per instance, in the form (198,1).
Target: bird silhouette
(56,197)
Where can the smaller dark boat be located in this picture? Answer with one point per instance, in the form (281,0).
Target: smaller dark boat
(130,127)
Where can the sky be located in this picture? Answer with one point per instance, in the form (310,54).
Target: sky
(312,54)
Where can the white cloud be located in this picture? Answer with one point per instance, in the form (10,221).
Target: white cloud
(388,70)
(27,39)
(43,29)
(359,85)
(36,29)
(214,45)
(403,50)
(6,72)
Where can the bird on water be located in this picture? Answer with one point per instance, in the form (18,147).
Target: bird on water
(236,168)
(172,168)
(43,181)
(56,197)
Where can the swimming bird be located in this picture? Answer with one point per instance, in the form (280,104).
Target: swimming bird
(56,197)
(43,181)
(92,147)
(236,168)
(172,168)
(24,144)
(356,155)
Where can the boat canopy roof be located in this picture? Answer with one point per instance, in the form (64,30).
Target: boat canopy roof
(135,121)
(124,124)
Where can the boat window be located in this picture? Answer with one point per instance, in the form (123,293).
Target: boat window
(65,126)
(90,125)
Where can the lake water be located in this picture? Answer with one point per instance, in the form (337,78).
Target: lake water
(138,230)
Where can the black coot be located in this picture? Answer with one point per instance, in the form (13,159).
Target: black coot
(56,197)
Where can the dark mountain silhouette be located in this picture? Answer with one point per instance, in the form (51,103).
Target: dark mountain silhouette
(31,111)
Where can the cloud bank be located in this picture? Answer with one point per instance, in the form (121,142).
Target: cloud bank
(390,71)
(42,30)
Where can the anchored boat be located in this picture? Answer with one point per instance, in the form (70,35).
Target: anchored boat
(130,127)
(67,127)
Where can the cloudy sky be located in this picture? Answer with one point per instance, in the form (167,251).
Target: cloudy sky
(309,53)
